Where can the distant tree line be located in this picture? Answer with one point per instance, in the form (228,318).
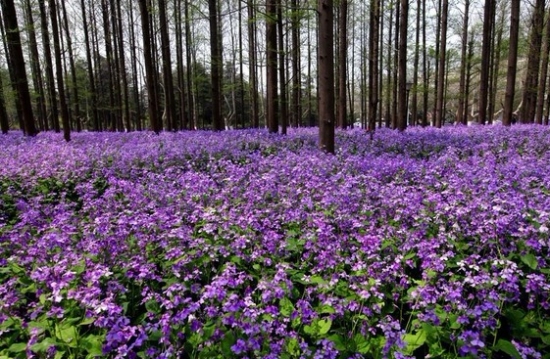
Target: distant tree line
(125,65)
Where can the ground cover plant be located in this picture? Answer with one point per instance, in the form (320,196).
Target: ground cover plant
(428,243)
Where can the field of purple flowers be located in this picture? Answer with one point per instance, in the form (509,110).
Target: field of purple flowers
(428,243)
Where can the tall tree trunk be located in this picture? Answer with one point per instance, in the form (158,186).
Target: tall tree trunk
(404,85)
(13,39)
(216,63)
(49,66)
(241,68)
(467,90)
(342,62)
(110,114)
(74,85)
(91,80)
(282,99)
(149,69)
(326,75)
(528,107)
(395,87)
(391,69)
(512,63)
(543,74)
(4,119)
(125,102)
(437,84)
(462,116)
(180,72)
(271,70)
(439,110)
(488,22)
(255,114)
(414,101)
(35,68)
(59,73)
(170,108)
(374,30)
(495,67)
(425,76)
(296,112)
(137,90)
(188,60)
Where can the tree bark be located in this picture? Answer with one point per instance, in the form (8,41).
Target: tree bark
(461,114)
(528,108)
(439,111)
(543,74)
(403,91)
(282,99)
(149,69)
(488,22)
(271,63)
(59,73)
(342,62)
(512,64)
(216,64)
(18,63)
(49,66)
(374,31)
(170,106)
(326,75)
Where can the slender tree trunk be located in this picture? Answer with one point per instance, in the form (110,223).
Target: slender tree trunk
(326,76)
(528,108)
(439,110)
(462,116)
(241,68)
(59,73)
(170,107)
(543,74)
(381,41)
(254,111)
(488,21)
(425,76)
(437,84)
(296,73)
(216,63)
(495,67)
(271,70)
(403,100)
(4,119)
(342,62)
(137,90)
(467,91)
(373,62)
(391,69)
(49,66)
(125,102)
(74,85)
(414,101)
(149,69)
(512,63)
(190,103)
(93,103)
(396,116)
(179,65)
(282,98)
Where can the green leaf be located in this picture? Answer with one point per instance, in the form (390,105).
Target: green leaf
(361,344)
(508,348)
(286,307)
(324,326)
(43,346)
(93,344)
(17,347)
(325,309)
(67,333)
(415,341)
(293,347)
(530,260)
(86,321)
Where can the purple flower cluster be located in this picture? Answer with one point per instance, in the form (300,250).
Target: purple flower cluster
(246,244)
